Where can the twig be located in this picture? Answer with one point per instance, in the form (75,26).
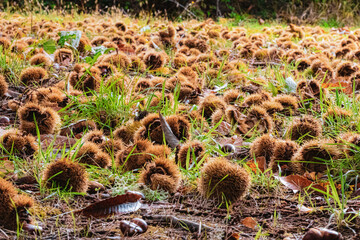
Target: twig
(179,223)
(185,8)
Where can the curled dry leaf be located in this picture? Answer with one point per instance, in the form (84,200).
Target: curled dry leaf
(224,128)
(304,209)
(126,203)
(170,138)
(298,183)
(249,222)
(235,140)
(322,234)
(58,141)
(259,163)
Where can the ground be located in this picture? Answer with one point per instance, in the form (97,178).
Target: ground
(277,104)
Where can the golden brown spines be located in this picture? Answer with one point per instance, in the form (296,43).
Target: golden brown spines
(33,74)
(314,156)
(221,179)
(95,136)
(134,156)
(91,154)
(18,143)
(263,146)
(3,86)
(154,60)
(283,152)
(210,104)
(62,55)
(163,174)
(66,174)
(13,206)
(304,128)
(33,116)
(190,152)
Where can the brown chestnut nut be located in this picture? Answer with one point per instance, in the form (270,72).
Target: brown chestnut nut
(228,148)
(133,227)
(313,234)
(129,228)
(4,120)
(322,234)
(141,223)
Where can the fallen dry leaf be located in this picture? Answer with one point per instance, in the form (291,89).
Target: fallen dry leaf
(125,203)
(249,222)
(224,128)
(170,138)
(298,183)
(58,141)
(304,209)
(259,163)
(235,140)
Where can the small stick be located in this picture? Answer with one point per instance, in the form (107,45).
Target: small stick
(179,223)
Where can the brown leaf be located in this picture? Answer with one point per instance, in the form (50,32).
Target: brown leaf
(235,140)
(304,209)
(58,141)
(234,236)
(224,128)
(298,183)
(126,203)
(170,138)
(249,222)
(260,163)
(6,166)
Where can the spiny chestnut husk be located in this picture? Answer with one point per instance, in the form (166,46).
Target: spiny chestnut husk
(91,154)
(126,133)
(84,80)
(336,113)
(232,96)
(137,155)
(263,146)
(13,206)
(3,86)
(67,175)
(48,97)
(304,128)
(288,102)
(40,59)
(17,142)
(210,104)
(152,130)
(350,143)
(33,116)
(33,74)
(221,179)
(283,152)
(161,173)
(154,60)
(315,156)
(190,152)
(112,147)
(78,128)
(256,121)
(63,55)
(95,136)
